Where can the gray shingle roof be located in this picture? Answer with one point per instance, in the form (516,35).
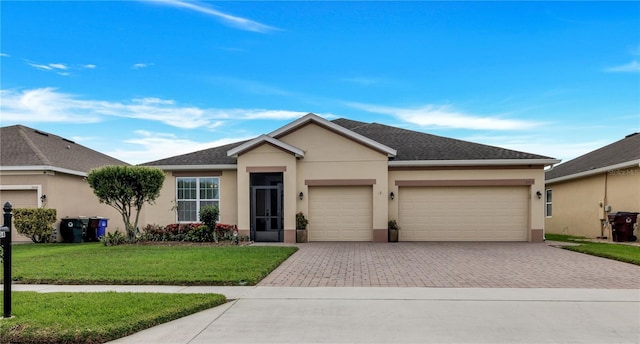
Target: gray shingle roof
(211,156)
(625,150)
(22,146)
(414,145)
(411,145)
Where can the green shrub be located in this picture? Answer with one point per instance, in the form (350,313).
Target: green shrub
(113,239)
(301,221)
(201,233)
(209,216)
(35,223)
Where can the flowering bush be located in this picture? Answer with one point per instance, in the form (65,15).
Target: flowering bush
(192,232)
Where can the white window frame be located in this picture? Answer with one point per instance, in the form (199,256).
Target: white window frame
(548,204)
(197,200)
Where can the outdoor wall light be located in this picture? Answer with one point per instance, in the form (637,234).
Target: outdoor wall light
(43,198)
(301,195)
(392,196)
(539,194)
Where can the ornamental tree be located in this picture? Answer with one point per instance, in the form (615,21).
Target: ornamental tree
(127,189)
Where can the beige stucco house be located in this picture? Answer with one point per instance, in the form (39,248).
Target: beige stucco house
(39,169)
(581,192)
(350,178)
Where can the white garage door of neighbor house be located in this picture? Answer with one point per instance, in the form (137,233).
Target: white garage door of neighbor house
(340,213)
(463,213)
(19,199)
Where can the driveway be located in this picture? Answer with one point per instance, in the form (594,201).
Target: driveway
(449,265)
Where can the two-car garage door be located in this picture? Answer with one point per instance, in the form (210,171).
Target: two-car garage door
(340,213)
(452,213)
(463,213)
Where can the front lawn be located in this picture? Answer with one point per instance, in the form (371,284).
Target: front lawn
(621,252)
(93,263)
(94,317)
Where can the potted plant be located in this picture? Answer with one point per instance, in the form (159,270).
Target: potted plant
(301,227)
(393,230)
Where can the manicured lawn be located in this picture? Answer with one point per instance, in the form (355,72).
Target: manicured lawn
(94,317)
(623,253)
(93,263)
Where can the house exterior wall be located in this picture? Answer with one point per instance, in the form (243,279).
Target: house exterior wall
(331,156)
(163,211)
(536,206)
(579,204)
(70,195)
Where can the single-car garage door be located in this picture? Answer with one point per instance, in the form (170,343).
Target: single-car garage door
(19,199)
(463,213)
(340,213)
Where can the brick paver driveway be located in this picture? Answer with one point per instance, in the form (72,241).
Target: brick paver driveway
(438,264)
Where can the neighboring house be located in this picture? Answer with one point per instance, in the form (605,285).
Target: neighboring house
(39,169)
(350,178)
(580,192)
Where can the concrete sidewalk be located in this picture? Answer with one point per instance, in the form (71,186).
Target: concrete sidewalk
(395,315)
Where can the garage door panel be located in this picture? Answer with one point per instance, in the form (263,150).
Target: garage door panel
(463,213)
(340,213)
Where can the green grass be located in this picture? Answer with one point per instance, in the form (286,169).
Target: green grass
(93,263)
(94,317)
(620,252)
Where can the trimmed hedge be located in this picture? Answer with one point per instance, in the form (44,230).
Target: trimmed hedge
(36,223)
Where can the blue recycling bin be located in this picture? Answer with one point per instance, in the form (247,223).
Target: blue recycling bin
(98,227)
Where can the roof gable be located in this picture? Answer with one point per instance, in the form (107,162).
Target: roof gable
(235,152)
(24,148)
(313,118)
(620,154)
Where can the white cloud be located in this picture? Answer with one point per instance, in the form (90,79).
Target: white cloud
(39,66)
(58,66)
(446,117)
(50,105)
(89,66)
(631,67)
(230,20)
(150,146)
(4,55)
(555,146)
(141,65)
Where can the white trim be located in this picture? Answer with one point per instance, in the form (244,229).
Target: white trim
(632,163)
(36,187)
(479,162)
(43,168)
(196,167)
(299,153)
(344,131)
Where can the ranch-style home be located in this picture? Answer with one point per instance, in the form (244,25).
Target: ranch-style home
(40,169)
(581,192)
(350,178)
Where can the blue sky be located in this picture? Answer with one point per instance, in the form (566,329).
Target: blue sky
(144,80)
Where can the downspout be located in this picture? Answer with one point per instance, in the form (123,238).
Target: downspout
(603,212)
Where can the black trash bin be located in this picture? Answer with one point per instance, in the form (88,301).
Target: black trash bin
(73,229)
(622,226)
